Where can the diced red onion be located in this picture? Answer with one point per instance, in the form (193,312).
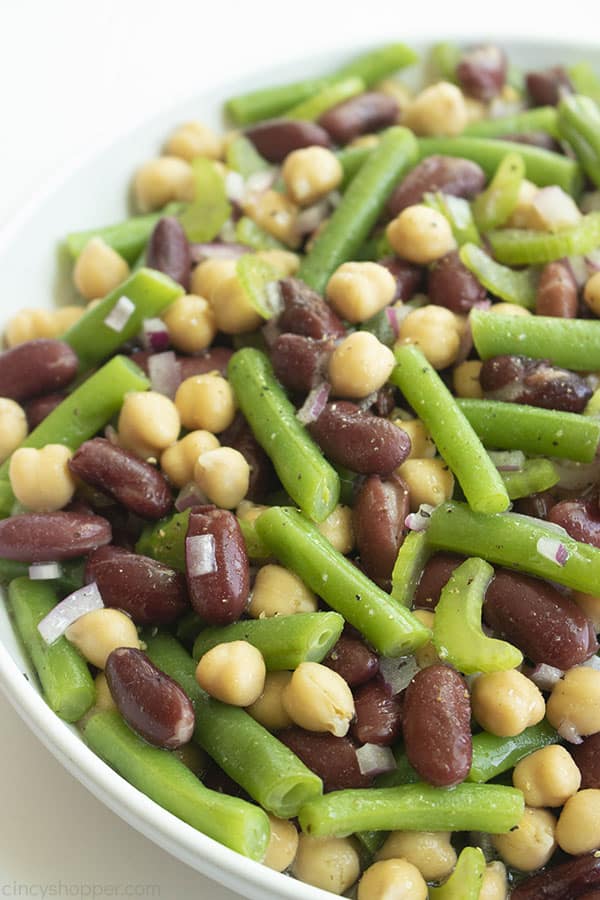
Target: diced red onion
(259,182)
(165,373)
(545,677)
(314,404)
(201,252)
(507,460)
(120,314)
(574,476)
(273,297)
(373,759)
(398,672)
(419,521)
(568,731)
(271,331)
(44,571)
(155,335)
(200,555)
(592,663)
(190,495)
(311,217)
(391,313)
(235,186)
(552,549)
(73,607)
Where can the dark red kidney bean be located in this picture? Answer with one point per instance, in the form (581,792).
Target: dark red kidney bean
(378,515)
(275,138)
(536,505)
(360,441)
(379,714)
(437,725)
(37,409)
(435,576)
(169,251)
(452,285)
(540,139)
(567,881)
(151,703)
(262,475)
(353,660)
(518,379)
(215,359)
(481,72)
(546,625)
(587,760)
(150,592)
(35,537)
(579,518)
(546,86)
(331,758)
(220,597)
(126,527)
(408,276)
(216,779)
(386,401)
(300,362)
(36,367)
(556,293)
(124,477)
(364,113)
(590,895)
(451,175)
(305,312)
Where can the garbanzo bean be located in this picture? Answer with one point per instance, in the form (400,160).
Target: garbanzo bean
(400,92)
(284,261)
(547,777)
(311,173)
(531,844)
(41,479)
(205,402)
(430,851)
(178,460)
(283,844)
(224,476)
(148,423)
(465,379)
(506,703)
(421,443)
(509,309)
(233,673)
(98,633)
(233,311)
(359,365)
(194,139)
(420,234)
(99,269)
(279,592)
(277,214)
(494,885)
(332,864)
(159,181)
(578,827)
(428,481)
(591,293)
(392,878)
(104,698)
(590,604)
(29,324)
(358,290)
(435,331)
(13,427)
(190,321)
(317,698)
(269,709)
(338,529)
(575,701)
(208,275)
(440,109)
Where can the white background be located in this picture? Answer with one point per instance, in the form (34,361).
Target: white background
(73,73)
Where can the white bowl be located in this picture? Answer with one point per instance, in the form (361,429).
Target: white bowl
(90,193)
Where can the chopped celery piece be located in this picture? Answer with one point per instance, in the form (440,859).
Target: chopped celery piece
(243,157)
(521,247)
(579,122)
(535,476)
(255,275)
(517,287)
(458,212)
(584,80)
(249,233)
(409,565)
(204,218)
(465,881)
(494,206)
(544,118)
(326,98)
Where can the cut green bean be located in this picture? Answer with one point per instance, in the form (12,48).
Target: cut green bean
(414,807)
(492,756)
(376,64)
(128,238)
(249,233)
(457,633)
(297,543)
(547,432)
(579,123)
(523,247)
(64,676)
(327,97)
(584,80)
(370,842)
(571,343)
(511,540)
(351,159)
(360,207)
(494,206)
(69,580)
(304,472)
(237,824)
(264,767)
(243,157)
(465,881)
(284,641)
(443,60)
(458,213)
(536,475)
(543,118)
(518,287)
(93,341)
(408,568)
(450,430)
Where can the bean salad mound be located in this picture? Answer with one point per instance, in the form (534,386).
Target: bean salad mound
(300,506)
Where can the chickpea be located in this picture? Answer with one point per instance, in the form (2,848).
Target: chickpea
(591,293)
(400,93)
(148,423)
(465,379)
(440,109)
(276,213)
(194,139)
(178,460)
(494,885)
(99,269)
(430,851)
(104,698)
(98,633)
(475,110)
(159,181)
(588,602)
(426,655)
(66,316)
(317,698)
(368,141)
(338,529)
(530,845)
(578,827)
(359,365)
(208,275)
(191,323)
(428,481)
(358,290)
(311,173)
(233,672)
(434,330)
(279,592)
(283,844)
(391,878)
(13,427)
(29,324)
(269,709)
(284,261)
(509,309)
(332,864)
(41,479)
(421,443)
(249,511)
(547,777)
(224,476)
(506,703)
(206,402)
(575,701)
(234,314)
(420,234)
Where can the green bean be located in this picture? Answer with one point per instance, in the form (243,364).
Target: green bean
(408,568)
(571,343)
(351,159)
(414,807)
(443,59)
(297,543)
(579,123)
(543,118)
(492,756)
(327,97)
(523,247)
(402,774)
(584,80)
(284,641)
(66,682)
(243,157)
(150,292)
(518,287)
(264,767)
(304,472)
(128,238)
(536,475)
(465,881)
(69,580)
(450,430)
(458,212)
(376,64)
(166,780)
(360,207)
(494,206)
(543,167)
(511,540)
(515,426)
(188,628)
(457,633)
(255,548)
(369,843)
(249,233)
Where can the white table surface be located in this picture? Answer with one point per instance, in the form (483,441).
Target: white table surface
(73,72)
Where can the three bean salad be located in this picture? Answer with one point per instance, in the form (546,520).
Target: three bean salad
(300,507)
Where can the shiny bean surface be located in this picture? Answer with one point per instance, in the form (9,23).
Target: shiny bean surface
(353,660)
(435,575)
(451,175)
(567,881)
(38,408)
(35,537)
(587,759)
(518,379)
(408,276)
(452,285)
(580,518)
(169,251)
(378,515)
(482,72)
(305,312)
(275,138)
(300,362)
(378,714)
(556,292)
(331,758)
(545,86)
(364,113)
(36,367)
